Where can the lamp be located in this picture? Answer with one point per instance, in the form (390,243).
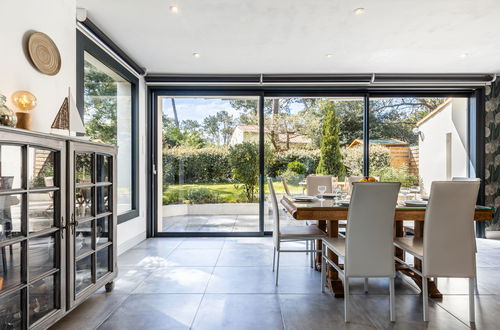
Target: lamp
(24,101)
(418,132)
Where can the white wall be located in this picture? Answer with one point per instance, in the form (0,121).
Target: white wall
(432,150)
(56,18)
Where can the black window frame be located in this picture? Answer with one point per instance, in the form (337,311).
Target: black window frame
(85,44)
(475,132)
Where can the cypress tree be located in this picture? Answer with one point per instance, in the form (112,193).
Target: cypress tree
(331,161)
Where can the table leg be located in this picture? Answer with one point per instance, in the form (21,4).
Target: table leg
(333,281)
(433,290)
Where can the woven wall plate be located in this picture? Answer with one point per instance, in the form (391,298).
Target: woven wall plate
(44,53)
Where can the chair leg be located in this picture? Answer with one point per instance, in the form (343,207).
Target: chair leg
(391,300)
(346,299)
(277,267)
(323,274)
(312,244)
(366,284)
(274,258)
(472,312)
(425,298)
(4,260)
(436,281)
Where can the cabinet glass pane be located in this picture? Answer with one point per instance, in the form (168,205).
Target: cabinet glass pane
(83,238)
(11,164)
(10,216)
(83,167)
(83,273)
(10,267)
(41,211)
(41,255)
(103,168)
(102,262)
(42,298)
(83,202)
(10,311)
(102,230)
(103,199)
(40,168)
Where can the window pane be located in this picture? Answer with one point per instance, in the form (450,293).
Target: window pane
(84,166)
(10,311)
(40,168)
(10,216)
(102,262)
(83,273)
(102,230)
(11,274)
(83,238)
(41,210)
(11,163)
(41,256)
(108,119)
(103,168)
(83,202)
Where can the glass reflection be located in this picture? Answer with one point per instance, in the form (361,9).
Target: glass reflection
(103,199)
(10,216)
(83,202)
(83,167)
(10,267)
(41,168)
(41,252)
(11,161)
(102,230)
(83,238)
(102,262)
(83,273)
(10,311)
(41,300)
(41,211)
(103,168)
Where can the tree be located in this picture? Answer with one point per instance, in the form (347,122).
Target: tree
(244,161)
(330,161)
(219,127)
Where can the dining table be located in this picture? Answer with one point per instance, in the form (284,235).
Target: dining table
(329,212)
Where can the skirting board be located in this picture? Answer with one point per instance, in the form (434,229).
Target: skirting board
(127,245)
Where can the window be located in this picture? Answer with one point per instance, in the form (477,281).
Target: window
(107,101)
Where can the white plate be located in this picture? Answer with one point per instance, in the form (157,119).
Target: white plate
(329,195)
(415,203)
(344,202)
(424,197)
(304,198)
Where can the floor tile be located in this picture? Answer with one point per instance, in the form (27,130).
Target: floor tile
(486,309)
(176,280)
(158,311)
(239,312)
(245,257)
(150,258)
(202,243)
(194,257)
(129,278)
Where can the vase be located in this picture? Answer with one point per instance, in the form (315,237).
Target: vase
(7,116)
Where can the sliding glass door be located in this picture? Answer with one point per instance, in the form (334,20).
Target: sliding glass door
(214,153)
(210,165)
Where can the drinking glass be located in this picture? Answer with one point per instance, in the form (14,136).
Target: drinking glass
(405,192)
(321,190)
(415,190)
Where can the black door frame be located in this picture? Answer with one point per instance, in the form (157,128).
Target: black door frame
(476,124)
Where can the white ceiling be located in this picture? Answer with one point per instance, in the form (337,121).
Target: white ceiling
(292,36)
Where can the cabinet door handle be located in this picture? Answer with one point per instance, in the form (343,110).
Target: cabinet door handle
(73,223)
(62,227)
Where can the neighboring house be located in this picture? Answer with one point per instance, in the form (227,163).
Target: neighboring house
(250,133)
(399,151)
(443,142)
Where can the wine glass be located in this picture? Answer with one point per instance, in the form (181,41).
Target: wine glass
(321,190)
(338,192)
(405,192)
(415,190)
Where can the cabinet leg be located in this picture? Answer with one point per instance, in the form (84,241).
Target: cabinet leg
(109,286)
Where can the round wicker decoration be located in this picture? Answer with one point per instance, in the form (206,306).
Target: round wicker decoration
(44,53)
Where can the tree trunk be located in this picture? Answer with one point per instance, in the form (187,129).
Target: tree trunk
(176,119)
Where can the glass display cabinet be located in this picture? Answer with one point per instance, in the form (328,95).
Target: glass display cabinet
(57,225)
(92,212)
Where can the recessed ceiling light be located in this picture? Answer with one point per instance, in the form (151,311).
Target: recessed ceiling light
(196,55)
(174,9)
(359,11)
(465,55)
(329,55)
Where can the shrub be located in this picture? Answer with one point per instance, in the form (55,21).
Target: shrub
(401,174)
(191,165)
(292,177)
(331,157)
(244,161)
(296,167)
(172,197)
(202,196)
(280,160)
(353,159)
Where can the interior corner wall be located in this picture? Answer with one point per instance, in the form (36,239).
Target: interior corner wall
(56,18)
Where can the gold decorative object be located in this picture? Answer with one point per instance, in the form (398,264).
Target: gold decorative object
(44,53)
(7,116)
(24,101)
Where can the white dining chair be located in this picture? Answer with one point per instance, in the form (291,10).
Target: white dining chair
(349,182)
(447,248)
(290,233)
(367,249)
(314,181)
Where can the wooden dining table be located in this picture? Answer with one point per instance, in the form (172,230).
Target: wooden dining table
(328,214)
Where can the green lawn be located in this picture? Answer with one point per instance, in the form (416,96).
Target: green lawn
(228,192)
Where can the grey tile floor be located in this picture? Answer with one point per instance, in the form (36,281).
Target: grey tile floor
(218,223)
(227,283)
